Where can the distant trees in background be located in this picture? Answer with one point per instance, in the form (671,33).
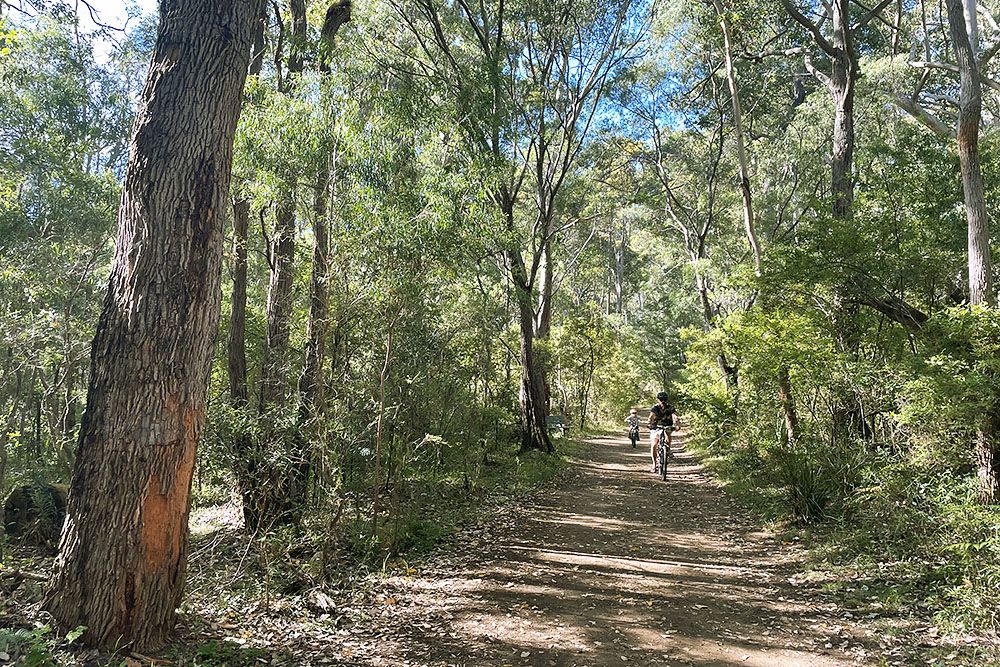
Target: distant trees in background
(448,220)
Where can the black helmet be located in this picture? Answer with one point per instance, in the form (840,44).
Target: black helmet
(662,396)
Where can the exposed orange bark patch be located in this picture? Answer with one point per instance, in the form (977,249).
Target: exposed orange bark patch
(164,511)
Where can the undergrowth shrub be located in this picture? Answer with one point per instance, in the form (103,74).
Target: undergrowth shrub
(897,498)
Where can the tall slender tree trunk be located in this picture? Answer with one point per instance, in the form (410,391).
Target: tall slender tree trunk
(843,146)
(274,383)
(269,487)
(741,151)
(120,570)
(239,394)
(969,120)
(311,380)
(962,24)
(274,488)
(620,250)
(236,346)
(546,281)
(843,78)
(787,400)
(543,322)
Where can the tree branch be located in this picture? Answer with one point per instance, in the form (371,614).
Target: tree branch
(809,25)
(872,13)
(924,117)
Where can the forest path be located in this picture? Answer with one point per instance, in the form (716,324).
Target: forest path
(615,567)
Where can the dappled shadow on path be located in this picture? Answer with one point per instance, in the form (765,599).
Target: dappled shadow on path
(616,567)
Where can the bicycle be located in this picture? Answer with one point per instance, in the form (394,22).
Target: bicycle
(664,449)
(633,435)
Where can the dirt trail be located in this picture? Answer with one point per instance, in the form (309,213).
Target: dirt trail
(615,567)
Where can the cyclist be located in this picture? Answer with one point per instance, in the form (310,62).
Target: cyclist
(633,426)
(661,423)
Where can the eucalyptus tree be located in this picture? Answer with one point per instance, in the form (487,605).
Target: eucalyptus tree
(524,80)
(284,151)
(274,378)
(953,66)
(962,24)
(832,29)
(120,569)
(740,133)
(311,381)
(947,98)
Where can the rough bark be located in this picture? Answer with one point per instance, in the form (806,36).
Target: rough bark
(543,321)
(969,119)
(988,459)
(546,274)
(534,431)
(843,78)
(120,570)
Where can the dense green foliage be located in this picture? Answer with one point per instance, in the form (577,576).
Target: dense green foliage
(397,150)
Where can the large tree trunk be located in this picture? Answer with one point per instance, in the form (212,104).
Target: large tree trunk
(120,570)
(534,431)
(547,272)
(988,458)
(543,321)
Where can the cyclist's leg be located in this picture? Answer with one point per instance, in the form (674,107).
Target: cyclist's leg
(670,441)
(653,445)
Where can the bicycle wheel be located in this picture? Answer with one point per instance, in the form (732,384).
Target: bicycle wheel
(663,457)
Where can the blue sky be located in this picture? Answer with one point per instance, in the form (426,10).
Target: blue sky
(113,12)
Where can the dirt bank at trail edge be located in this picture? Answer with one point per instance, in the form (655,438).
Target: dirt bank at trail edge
(615,567)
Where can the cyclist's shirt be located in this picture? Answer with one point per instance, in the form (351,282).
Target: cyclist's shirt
(632,421)
(661,416)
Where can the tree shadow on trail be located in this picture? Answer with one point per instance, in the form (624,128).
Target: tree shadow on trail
(617,567)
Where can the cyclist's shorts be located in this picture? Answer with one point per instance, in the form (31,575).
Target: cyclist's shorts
(655,432)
